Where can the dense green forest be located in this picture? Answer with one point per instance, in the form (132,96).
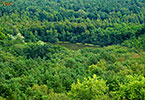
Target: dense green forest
(99,22)
(37,64)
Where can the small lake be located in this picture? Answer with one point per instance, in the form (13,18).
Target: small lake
(76,46)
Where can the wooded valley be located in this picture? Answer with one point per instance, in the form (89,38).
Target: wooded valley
(36,63)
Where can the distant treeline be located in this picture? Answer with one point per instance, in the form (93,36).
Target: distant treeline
(99,22)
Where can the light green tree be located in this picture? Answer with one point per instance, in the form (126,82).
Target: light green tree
(90,89)
(133,89)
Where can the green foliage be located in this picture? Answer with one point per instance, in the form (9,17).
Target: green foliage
(33,69)
(58,96)
(27,70)
(2,36)
(7,57)
(37,92)
(137,43)
(41,50)
(133,88)
(90,89)
(95,69)
(95,22)
(1,98)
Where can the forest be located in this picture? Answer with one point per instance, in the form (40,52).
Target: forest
(44,56)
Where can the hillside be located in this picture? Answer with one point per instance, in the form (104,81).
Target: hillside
(72,50)
(99,22)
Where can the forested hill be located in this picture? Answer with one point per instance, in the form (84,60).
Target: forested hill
(99,22)
(34,65)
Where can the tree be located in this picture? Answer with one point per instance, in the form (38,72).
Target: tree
(133,89)
(90,89)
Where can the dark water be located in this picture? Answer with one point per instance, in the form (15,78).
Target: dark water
(76,46)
